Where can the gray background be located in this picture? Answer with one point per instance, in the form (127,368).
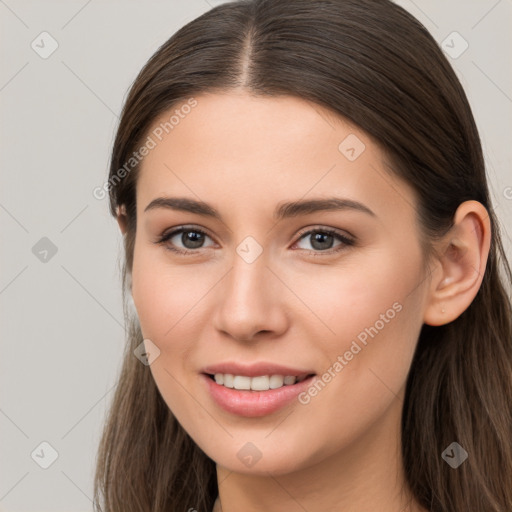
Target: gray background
(61,314)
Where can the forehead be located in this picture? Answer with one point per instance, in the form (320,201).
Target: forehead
(235,147)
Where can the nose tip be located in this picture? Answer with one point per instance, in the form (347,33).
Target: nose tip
(248,339)
(248,302)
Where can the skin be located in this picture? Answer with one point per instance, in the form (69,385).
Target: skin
(245,155)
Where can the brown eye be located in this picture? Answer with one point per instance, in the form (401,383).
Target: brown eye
(191,239)
(322,240)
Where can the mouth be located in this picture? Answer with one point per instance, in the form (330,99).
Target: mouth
(255,396)
(256,383)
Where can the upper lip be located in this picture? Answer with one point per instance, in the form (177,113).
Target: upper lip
(255,369)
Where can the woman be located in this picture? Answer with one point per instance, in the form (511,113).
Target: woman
(314,262)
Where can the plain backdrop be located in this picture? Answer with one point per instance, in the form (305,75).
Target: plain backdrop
(60,295)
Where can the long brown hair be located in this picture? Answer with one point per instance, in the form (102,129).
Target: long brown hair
(373,63)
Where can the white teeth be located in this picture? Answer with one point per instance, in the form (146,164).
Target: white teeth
(228,380)
(276,381)
(240,382)
(260,383)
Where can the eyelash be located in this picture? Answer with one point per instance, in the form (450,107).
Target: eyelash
(342,238)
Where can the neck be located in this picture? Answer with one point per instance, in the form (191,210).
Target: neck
(365,476)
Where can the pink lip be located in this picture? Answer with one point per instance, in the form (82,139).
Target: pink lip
(254,403)
(255,369)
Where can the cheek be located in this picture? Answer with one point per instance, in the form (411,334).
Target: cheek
(159,292)
(170,301)
(374,315)
(371,293)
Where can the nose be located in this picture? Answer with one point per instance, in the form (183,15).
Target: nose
(250,301)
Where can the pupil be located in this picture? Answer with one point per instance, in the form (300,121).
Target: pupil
(317,239)
(192,237)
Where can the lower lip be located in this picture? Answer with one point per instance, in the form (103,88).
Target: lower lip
(254,403)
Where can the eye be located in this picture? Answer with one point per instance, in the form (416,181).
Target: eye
(191,238)
(322,240)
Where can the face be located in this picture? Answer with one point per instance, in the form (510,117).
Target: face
(335,294)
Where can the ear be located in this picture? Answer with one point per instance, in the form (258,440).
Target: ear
(460,264)
(122,218)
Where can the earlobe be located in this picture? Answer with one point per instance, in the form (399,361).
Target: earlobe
(460,264)
(121,218)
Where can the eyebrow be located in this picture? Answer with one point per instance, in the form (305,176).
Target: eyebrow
(283,211)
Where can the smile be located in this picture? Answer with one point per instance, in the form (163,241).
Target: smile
(253,396)
(258,383)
